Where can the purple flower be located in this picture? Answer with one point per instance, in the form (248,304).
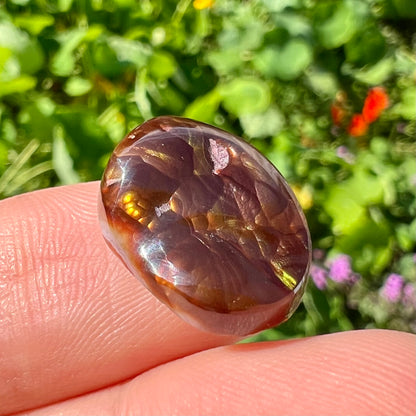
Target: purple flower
(319,276)
(340,270)
(392,288)
(409,295)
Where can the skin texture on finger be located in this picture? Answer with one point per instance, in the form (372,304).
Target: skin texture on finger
(352,373)
(72,318)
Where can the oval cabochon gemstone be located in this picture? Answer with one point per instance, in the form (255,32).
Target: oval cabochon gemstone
(208,225)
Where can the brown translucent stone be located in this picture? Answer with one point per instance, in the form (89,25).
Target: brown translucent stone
(207,224)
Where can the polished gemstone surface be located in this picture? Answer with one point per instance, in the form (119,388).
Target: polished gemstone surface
(207,224)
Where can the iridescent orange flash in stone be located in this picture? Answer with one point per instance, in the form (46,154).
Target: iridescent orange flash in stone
(207,224)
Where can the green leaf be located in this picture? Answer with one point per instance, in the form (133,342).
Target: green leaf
(105,59)
(4,155)
(161,65)
(406,107)
(347,201)
(5,54)
(76,86)
(224,61)
(405,8)
(62,160)
(203,108)
(245,95)
(322,82)
(407,264)
(26,176)
(38,118)
(113,121)
(248,38)
(11,37)
(63,63)
(278,6)
(374,74)
(130,50)
(370,244)
(17,85)
(20,2)
(406,237)
(347,214)
(16,166)
(367,47)
(64,5)
(294,23)
(337,23)
(34,23)
(262,125)
(365,187)
(27,50)
(286,62)
(31,57)
(140,95)
(282,147)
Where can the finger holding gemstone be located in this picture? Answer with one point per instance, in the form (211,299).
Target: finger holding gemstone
(207,224)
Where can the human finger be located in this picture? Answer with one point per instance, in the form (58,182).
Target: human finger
(72,318)
(370,372)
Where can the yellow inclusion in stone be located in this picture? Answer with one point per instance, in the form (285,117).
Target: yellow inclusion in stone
(283,276)
(128,197)
(130,206)
(159,155)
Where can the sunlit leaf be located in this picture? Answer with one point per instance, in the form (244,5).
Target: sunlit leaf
(337,22)
(161,65)
(27,50)
(17,85)
(130,50)
(63,62)
(17,164)
(347,202)
(406,106)
(245,95)
(294,23)
(224,61)
(261,125)
(204,107)
(64,5)
(34,23)
(62,160)
(76,86)
(322,82)
(373,74)
(286,62)
(114,122)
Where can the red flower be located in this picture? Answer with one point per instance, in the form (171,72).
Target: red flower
(337,113)
(358,125)
(375,103)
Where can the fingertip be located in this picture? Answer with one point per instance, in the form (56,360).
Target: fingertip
(354,373)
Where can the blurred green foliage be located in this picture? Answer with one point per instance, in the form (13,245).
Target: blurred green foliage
(76,76)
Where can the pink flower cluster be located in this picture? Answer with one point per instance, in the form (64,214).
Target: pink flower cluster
(395,289)
(339,270)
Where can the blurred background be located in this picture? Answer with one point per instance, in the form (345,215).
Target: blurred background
(325,89)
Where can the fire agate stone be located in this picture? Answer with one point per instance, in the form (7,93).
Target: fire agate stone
(207,224)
